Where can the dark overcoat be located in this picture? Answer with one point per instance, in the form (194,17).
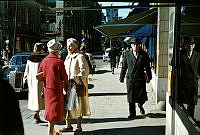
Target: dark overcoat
(134,69)
(113,53)
(190,69)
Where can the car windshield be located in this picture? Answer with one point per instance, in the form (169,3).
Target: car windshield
(24,59)
(18,60)
(13,60)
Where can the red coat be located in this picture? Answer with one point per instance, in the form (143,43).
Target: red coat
(54,75)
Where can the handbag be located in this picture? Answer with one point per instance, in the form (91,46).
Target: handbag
(81,90)
(71,98)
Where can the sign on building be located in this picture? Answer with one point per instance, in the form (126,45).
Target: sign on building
(112,15)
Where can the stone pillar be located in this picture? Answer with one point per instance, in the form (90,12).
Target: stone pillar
(169,128)
(162,55)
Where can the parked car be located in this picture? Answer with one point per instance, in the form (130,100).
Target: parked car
(106,55)
(16,68)
(18,61)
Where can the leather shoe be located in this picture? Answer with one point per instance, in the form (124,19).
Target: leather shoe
(142,111)
(38,121)
(68,129)
(78,131)
(131,117)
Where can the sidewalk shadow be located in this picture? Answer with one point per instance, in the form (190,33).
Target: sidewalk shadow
(142,130)
(101,120)
(155,115)
(107,94)
(90,86)
(101,71)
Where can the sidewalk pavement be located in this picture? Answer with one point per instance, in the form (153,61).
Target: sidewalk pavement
(109,107)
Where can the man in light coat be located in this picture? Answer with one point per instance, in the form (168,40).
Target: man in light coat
(135,63)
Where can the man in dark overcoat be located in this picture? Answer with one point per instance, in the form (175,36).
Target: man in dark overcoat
(190,69)
(135,63)
(113,53)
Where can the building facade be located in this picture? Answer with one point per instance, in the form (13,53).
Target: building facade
(63,24)
(19,25)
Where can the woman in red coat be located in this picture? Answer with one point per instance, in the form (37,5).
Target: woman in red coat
(55,79)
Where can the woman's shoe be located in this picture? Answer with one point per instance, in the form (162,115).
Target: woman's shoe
(38,120)
(56,133)
(78,131)
(66,129)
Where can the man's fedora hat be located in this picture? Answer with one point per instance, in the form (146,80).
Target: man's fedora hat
(189,40)
(135,40)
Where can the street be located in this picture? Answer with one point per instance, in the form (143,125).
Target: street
(109,107)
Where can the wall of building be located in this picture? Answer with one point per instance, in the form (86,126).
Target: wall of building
(160,80)
(80,24)
(22,21)
(178,122)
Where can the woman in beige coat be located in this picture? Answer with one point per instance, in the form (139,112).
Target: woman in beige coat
(35,100)
(77,68)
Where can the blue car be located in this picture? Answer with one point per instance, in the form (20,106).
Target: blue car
(16,68)
(18,61)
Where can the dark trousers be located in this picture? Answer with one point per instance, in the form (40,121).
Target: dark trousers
(132,110)
(190,110)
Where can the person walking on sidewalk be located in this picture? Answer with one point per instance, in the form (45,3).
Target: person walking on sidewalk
(136,63)
(190,70)
(112,55)
(35,100)
(77,68)
(55,79)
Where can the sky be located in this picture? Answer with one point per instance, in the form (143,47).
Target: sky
(121,12)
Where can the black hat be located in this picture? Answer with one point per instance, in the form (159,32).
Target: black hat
(135,40)
(188,40)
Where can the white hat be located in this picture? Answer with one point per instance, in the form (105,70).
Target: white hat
(53,45)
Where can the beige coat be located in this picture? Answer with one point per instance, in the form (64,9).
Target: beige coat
(77,69)
(35,100)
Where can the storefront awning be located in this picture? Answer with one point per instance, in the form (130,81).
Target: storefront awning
(189,25)
(129,23)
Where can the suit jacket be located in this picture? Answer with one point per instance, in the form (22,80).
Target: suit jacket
(190,69)
(135,79)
